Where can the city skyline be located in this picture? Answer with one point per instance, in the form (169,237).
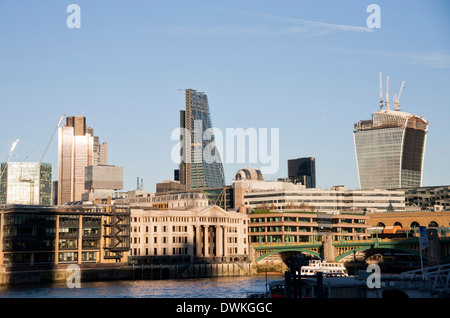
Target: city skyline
(309,69)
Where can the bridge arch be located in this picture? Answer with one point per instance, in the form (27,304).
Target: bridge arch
(433,224)
(285,250)
(414,224)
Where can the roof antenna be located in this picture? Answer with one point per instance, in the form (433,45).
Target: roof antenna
(387,92)
(381,93)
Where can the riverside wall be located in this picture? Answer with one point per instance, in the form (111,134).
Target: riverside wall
(65,273)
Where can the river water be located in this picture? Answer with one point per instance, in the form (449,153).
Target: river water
(216,287)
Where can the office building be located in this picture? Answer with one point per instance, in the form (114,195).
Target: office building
(303,170)
(196,171)
(26,183)
(169,186)
(431,198)
(390,148)
(77,149)
(102,181)
(295,226)
(35,235)
(252,195)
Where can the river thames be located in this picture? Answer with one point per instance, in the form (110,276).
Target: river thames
(216,287)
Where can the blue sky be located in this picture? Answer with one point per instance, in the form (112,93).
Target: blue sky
(309,68)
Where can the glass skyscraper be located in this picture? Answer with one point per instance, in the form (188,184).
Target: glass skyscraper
(28,183)
(390,150)
(303,170)
(77,149)
(197,171)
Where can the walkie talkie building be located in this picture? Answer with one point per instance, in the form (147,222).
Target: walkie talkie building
(196,171)
(390,150)
(390,147)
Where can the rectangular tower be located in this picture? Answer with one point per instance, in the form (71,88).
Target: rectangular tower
(28,183)
(303,170)
(77,149)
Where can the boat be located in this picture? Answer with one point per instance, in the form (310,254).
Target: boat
(327,269)
(333,287)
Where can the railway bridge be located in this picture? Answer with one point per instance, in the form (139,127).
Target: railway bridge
(437,252)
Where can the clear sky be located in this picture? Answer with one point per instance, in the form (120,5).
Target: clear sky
(309,68)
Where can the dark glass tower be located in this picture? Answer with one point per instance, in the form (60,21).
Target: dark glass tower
(200,165)
(303,170)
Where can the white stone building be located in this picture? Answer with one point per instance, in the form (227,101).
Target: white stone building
(207,233)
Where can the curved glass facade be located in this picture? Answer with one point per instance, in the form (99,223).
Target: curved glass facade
(390,150)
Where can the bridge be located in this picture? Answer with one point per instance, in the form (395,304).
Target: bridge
(438,250)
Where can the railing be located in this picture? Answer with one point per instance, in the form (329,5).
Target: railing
(437,278)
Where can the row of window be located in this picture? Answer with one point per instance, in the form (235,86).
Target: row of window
(305,220)
(261,229)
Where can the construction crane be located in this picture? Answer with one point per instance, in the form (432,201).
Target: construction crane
(9,156)
(397,98)
(52,137)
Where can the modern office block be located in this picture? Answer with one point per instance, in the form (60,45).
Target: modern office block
(26,183)
(390,147)
(102,182)
(429,198)
(104,177)
(49,235)
(303,170)
(390,150)
(77,149)
(274,195)
(196,171)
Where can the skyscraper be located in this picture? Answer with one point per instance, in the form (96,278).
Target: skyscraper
(196,170)
(303,170)
(390,147)
(77,149)
(28,183)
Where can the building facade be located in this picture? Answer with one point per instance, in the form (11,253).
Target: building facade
(169,186)
(26,183)
(196,171)
(260,195)
(102,181)
(46,235)
(303,170)
(77,149)
(303,226)
(390,150)
(410,220)
(190,235)
(429,198)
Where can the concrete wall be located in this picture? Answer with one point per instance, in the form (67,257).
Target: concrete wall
(128,272)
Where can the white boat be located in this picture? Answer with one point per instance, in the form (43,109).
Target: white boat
(328,269)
